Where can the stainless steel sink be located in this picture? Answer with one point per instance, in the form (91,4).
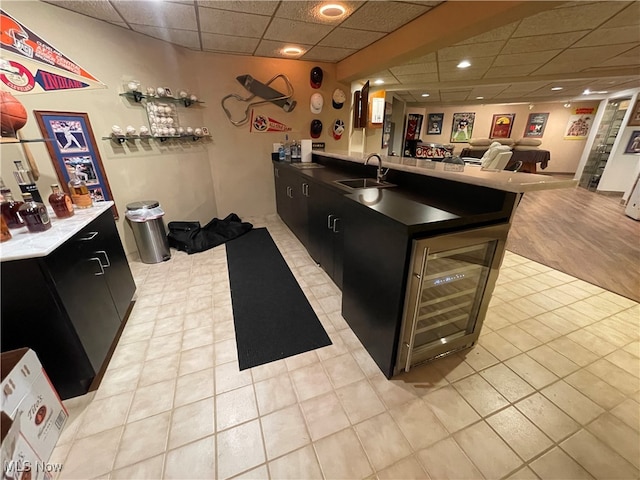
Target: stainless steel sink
(356,183)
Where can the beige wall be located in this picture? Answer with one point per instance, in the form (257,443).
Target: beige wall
(192,180)
(565,154)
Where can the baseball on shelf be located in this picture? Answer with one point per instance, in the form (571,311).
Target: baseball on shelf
(198,132)
(160,91)
(172,131)
(151,91)
(180,130)
(183,94)
(189,130)
(144,130)
(193,98)
(116,129)
(133,86)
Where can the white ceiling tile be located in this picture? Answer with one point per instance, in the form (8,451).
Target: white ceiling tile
(625,59)
(416,79)
(486,90)
(431,57)
(477,64)
(533,58)
(226,43)
(537,44)
(270,48)
(592,54)
(564,68)
(610,36)
(417,68)
(470,52)
(449,96)
(579,17)
(232,23)
(497,34)
(380,16)
(93,8)
(347,37)
(328,54)
(462,75)
(283,30)
(261,7)
(628,16)
(310,11)
(158,14)
(510,71)
(185,38)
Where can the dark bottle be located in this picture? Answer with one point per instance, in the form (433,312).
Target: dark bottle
(5,234)
(34,214)
(26,181)
(10,210)
(60,202)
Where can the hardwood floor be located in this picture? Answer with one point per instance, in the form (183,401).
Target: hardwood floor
(581,233)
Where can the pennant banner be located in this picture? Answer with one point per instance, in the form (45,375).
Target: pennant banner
(31,65)
(262,124)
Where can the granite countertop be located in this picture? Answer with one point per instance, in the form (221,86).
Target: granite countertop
(507,181)
(24,244)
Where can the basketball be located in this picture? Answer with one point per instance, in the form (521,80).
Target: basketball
(13,115)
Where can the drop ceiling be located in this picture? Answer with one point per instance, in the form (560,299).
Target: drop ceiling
(574,45)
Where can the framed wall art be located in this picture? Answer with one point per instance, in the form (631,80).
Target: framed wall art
(73,151)
(462,127)
(634,119)
(501,125)
(634,143)
(535,125)
(434,123)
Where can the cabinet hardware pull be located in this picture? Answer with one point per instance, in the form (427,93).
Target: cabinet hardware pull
(99,263)
(330,222)
(335,224)
(305,189)
(91,236)
(277,173)
(289,192)
(414,320)
(106,258)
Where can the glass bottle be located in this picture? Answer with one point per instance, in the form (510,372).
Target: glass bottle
(80,195)
(60,202)
(10,210)
(34,214)
(26,182)
(5,234)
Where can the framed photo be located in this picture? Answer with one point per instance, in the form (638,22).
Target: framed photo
(634,119)
(462,127)
(535,125)
(634,143)
(434,123)
(501,125)
(73,152)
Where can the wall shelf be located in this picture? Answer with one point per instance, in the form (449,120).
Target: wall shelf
(139,96)
(120,139)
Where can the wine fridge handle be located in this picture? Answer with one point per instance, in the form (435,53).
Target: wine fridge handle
(99,263)
(106,258)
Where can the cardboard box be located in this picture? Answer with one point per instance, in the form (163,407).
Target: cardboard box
(31,402)
(19,461)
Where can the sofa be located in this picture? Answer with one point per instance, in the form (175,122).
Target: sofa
(525,150)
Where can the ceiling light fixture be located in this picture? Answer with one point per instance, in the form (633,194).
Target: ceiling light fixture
(587,92)
(464,64)
(531,106)
(555,89)
(567,105)
(291,51)
(332,10)
(378,82)
(425,94)
(479,98)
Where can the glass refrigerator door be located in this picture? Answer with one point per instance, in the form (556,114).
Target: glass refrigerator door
(449,286)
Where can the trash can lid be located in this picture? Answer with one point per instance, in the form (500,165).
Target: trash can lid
(143,204)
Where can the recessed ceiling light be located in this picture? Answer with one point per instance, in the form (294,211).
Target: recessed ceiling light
(425,94)
(567,105)
(332,10)
(587,92)
(479,98)
(464,64)
(556,88)
(378,82)
(292,51)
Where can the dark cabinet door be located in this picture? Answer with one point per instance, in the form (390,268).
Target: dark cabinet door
(299,214)
(281,176)
(80,282)
(107,247)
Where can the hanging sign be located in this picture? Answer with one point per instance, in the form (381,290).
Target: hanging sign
(262,123)
(29,64)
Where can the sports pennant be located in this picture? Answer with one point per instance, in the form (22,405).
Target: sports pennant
(29,64)
(262,124)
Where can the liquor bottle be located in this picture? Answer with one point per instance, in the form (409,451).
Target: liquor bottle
(26,181)
(5,234)
(287,149)
(10,210)
(60,202)
(80,195)
(34,214)
(294,152)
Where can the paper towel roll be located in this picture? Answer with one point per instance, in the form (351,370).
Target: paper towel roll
(305,148)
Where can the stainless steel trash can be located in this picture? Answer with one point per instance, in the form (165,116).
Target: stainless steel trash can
(145,219)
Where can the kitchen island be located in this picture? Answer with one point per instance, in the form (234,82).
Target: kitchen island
(416,260)
(66,293)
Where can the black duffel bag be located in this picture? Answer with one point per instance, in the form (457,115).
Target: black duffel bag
(190,237)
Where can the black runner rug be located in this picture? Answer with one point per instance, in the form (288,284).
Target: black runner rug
(273,318)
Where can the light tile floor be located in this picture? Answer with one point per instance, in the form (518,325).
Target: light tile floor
(552,389)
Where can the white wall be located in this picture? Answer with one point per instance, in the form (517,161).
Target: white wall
(192,180)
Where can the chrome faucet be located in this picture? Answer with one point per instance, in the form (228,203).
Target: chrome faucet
(380,175)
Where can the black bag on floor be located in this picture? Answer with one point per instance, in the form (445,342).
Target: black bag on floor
(190,237)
